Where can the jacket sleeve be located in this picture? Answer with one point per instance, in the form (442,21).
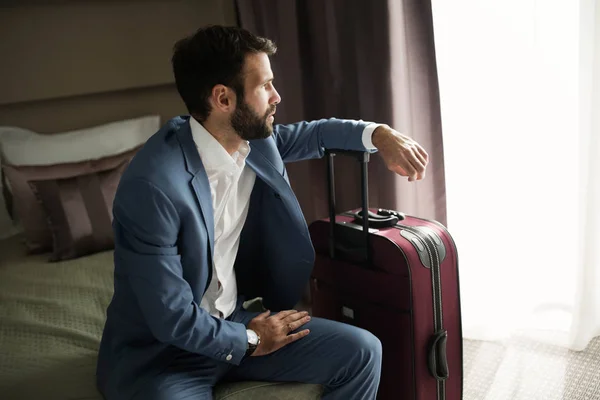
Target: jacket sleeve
(307,140)
(146,225)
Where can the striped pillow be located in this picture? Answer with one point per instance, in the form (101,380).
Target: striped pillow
(26,207)
(79,211)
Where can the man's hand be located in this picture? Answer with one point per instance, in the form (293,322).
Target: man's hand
(274,330)
(400,153)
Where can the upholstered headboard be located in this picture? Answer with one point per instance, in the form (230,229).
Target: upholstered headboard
(71,64)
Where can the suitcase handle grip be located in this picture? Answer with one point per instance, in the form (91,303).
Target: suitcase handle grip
(438,360)
(381,219)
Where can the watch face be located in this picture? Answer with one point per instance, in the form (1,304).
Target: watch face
(252,337)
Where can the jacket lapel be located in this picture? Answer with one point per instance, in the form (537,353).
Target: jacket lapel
(202,190)
(199,180)
(256,160)
(266,171)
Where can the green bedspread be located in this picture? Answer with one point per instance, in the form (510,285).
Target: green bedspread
(51,320)
(51,317)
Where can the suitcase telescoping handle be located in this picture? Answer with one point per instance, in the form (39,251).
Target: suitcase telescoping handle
(363,158)
(364,218)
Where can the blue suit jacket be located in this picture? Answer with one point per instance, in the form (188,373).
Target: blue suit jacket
(163,226)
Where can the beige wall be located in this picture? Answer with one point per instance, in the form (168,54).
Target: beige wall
(106,59)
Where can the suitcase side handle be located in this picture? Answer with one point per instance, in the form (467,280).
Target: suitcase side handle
(438,360)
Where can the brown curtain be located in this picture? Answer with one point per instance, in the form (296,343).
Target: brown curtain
(371,60)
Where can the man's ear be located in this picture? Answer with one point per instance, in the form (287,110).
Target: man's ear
(223,98)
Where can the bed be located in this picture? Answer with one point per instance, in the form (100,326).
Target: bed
(52,316)
(67,86)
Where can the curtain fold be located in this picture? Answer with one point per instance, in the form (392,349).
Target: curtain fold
(360,60)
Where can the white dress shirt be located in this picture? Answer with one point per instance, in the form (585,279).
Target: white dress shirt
(231,184)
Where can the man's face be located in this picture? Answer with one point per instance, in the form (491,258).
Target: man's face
(253,117)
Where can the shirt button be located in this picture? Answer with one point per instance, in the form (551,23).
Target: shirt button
(229,357)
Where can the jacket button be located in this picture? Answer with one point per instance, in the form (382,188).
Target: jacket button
(229,357)
(277,196)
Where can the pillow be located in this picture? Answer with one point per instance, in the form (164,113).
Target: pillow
(20,146)
(79,145)
(8,224)
(38,237)
(79,211)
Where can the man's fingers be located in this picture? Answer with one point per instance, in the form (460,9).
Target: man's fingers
(416,158)
(410,162)
(418,168)
(405,168)
(284,314)
(402,172)
(295,317)
(292,326)
(292,338)
(423,153)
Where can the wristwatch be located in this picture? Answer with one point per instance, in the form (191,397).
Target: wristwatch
(253,342)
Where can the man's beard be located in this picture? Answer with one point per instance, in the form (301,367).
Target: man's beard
(248,124)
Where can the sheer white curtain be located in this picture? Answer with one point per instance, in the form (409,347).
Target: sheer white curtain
(520,102)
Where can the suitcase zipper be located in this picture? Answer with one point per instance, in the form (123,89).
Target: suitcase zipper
(437,351)
(453,244)
(438,366)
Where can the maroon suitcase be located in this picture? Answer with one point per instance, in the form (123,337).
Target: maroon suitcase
(400,282)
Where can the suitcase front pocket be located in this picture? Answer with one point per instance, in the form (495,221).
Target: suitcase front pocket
(352,309)
(392,326)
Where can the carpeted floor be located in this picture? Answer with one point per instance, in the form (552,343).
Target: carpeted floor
(521,369)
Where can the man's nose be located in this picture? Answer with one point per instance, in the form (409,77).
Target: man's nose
(276,98)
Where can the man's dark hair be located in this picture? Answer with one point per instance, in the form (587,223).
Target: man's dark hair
(213,55)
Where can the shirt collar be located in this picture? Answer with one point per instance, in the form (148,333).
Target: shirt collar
(213,155)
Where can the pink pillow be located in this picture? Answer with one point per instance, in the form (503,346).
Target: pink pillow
(31,214)
(79,211)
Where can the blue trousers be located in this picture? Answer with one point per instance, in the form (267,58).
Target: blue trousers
(343,358)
